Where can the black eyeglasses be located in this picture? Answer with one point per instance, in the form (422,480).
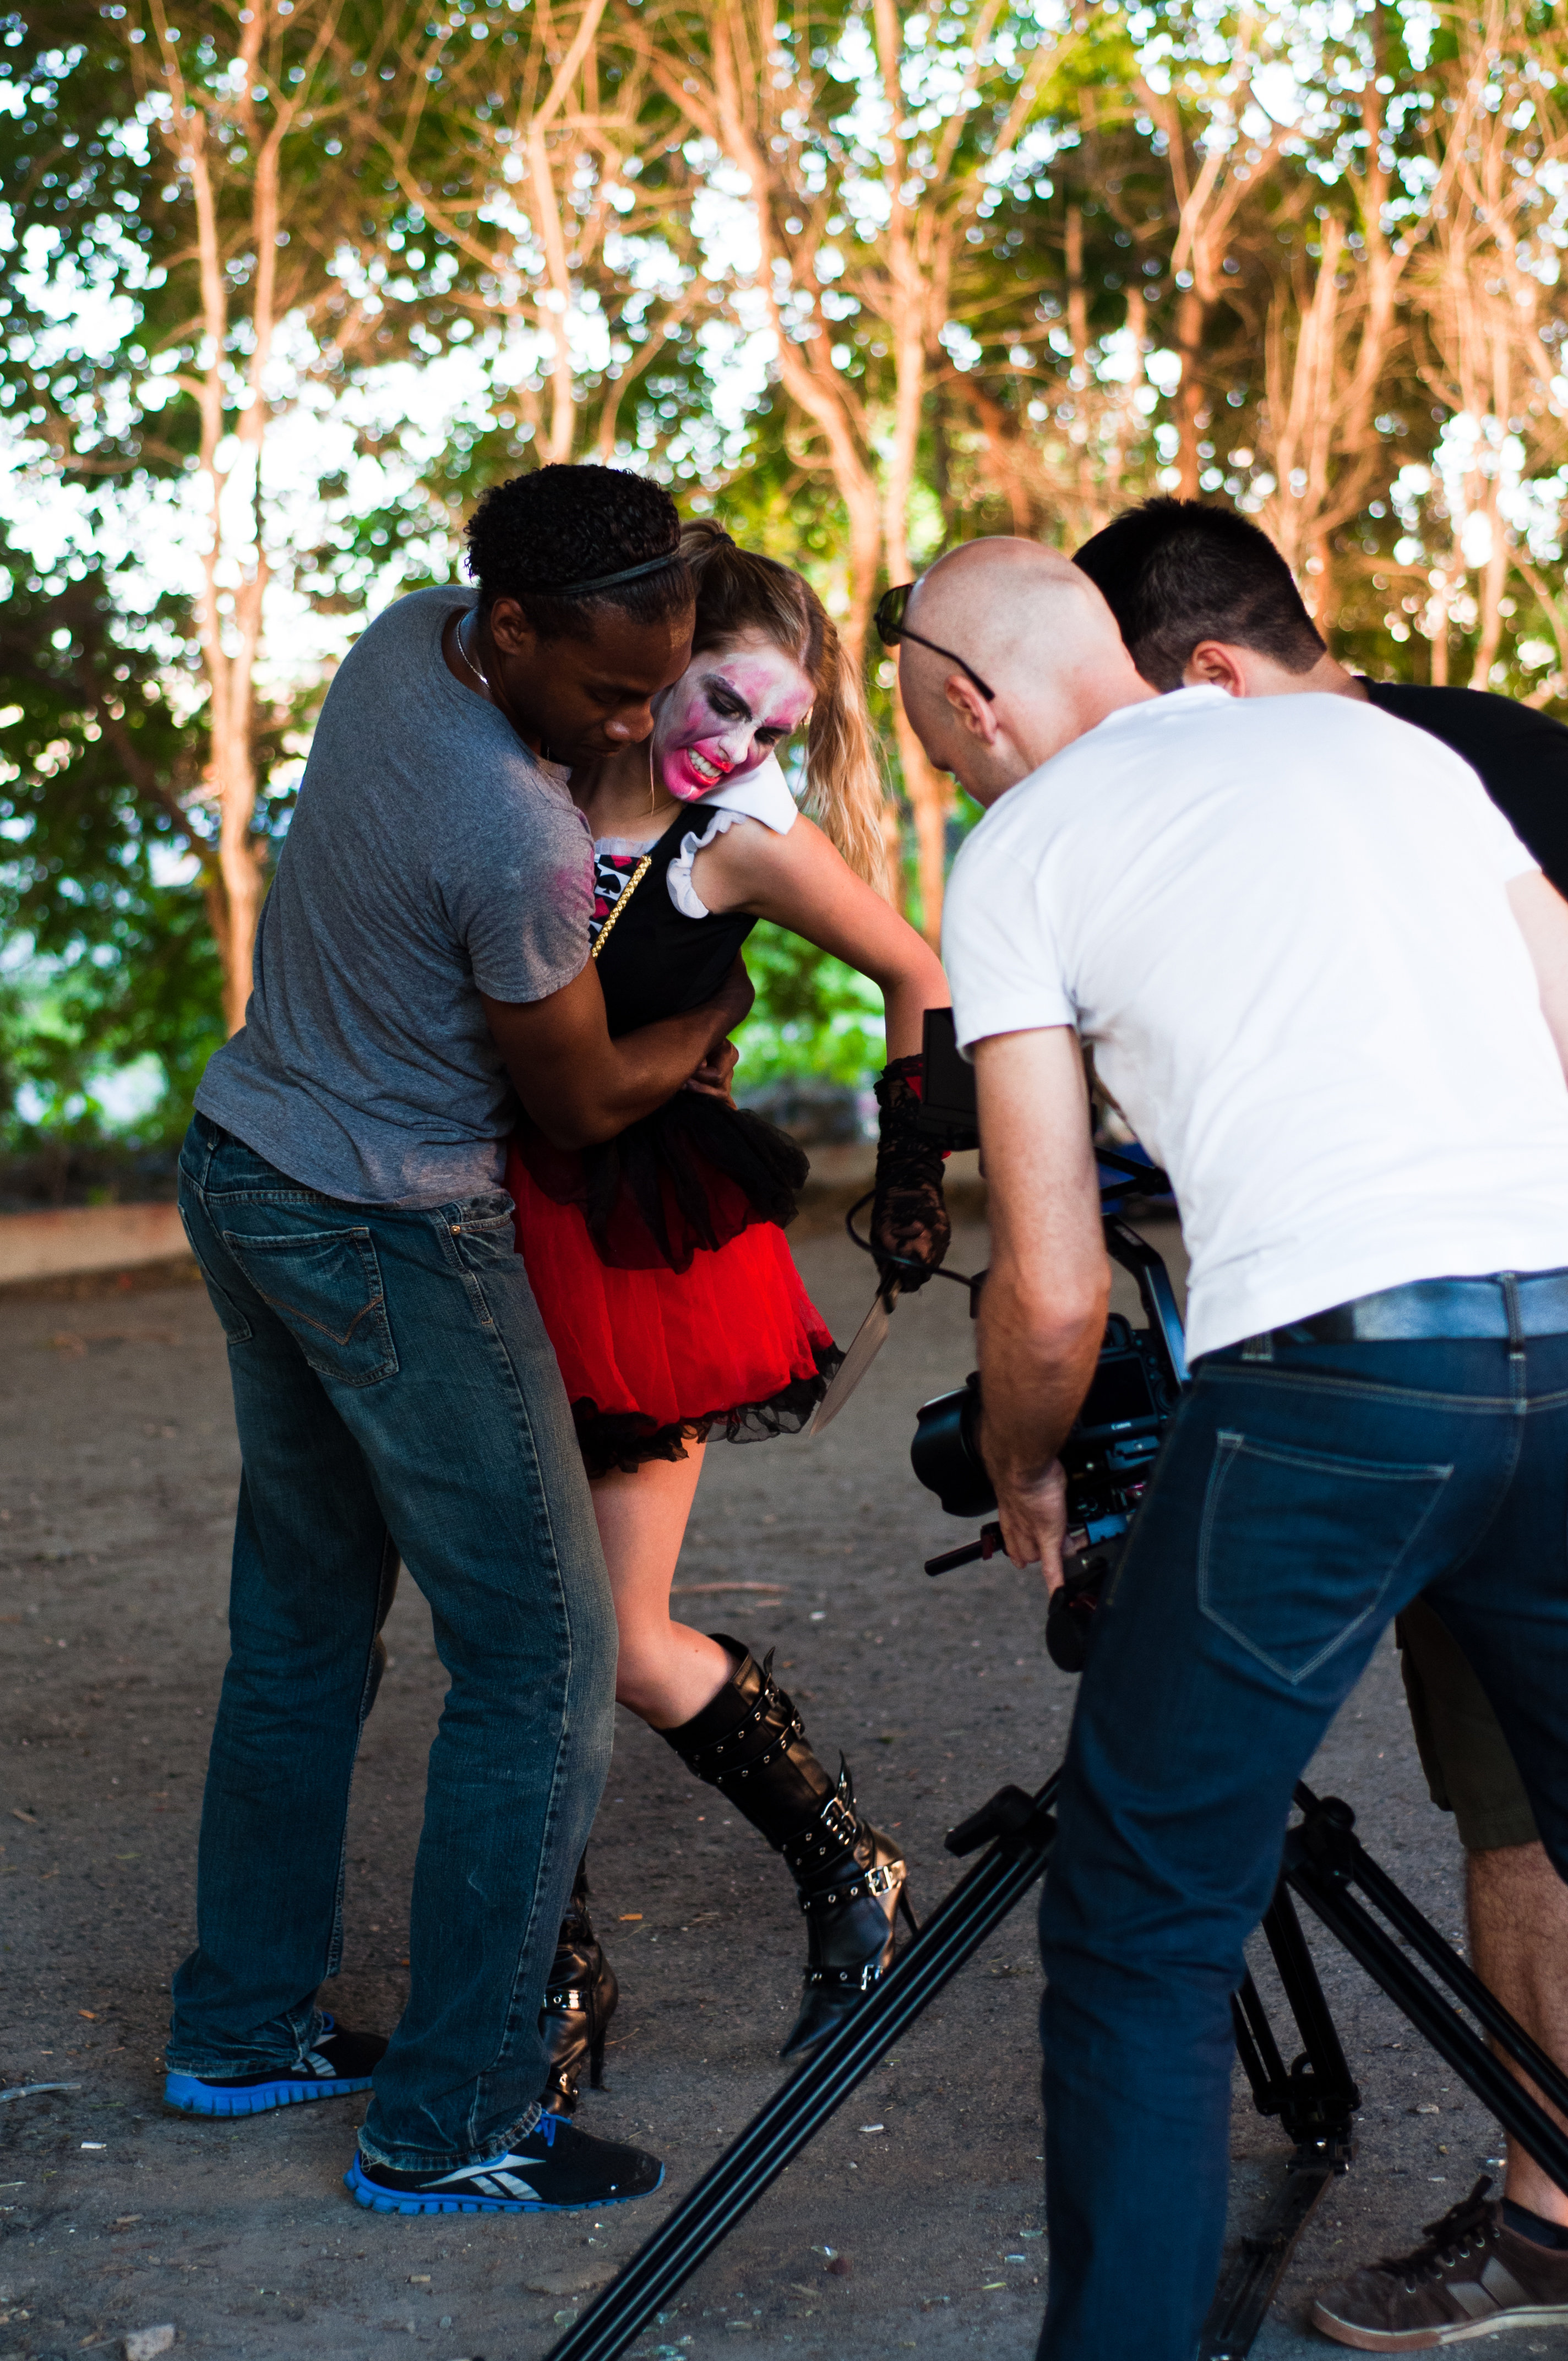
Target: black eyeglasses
(891,628)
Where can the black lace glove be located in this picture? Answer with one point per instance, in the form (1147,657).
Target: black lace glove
(909,1215)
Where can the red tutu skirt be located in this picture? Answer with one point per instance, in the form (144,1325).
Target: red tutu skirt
(655,1357)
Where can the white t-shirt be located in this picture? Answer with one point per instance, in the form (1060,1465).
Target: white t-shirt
(1282,924)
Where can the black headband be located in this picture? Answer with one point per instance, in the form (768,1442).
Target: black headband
(602,581)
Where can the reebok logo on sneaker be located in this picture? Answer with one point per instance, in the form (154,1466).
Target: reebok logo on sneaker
(492,2180)
(553,2169)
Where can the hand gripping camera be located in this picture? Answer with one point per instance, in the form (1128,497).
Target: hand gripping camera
(1110,1452)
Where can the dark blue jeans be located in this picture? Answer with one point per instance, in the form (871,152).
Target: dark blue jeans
(1296,1507)
(396,1397)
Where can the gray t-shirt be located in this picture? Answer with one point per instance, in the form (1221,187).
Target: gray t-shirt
(431,858)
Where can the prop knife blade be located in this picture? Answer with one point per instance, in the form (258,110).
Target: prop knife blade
(869,1337)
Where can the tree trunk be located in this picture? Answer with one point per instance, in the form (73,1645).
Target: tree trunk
(545,208)
(913,269)
(928,803)
(198,129)
(1189,316)
(230,771)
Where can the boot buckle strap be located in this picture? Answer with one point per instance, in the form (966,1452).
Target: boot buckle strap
(838,1822)
(724,1778)
(835,1829)
(860,1980)
(707,1762)
(883,1880)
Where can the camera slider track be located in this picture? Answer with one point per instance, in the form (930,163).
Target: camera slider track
(1315,2098)
(1020,1831)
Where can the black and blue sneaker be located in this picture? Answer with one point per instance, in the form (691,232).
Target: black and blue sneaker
(337,2062)
(553,2169)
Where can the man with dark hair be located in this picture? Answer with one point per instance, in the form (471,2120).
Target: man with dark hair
(1174,572)
(421,968)
(1204,599)
(555,526)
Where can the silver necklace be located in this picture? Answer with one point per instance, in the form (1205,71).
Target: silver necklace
(483,679)
(477,670)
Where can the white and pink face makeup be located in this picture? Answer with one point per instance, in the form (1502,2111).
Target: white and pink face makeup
(732,708)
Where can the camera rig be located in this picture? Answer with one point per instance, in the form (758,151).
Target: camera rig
(1138,1378)
(1108,1456)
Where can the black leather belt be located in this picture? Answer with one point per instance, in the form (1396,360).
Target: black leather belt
(1508,1304)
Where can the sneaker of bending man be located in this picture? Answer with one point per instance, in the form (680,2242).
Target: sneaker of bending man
(422,970)
(1212,893)
(1203,598)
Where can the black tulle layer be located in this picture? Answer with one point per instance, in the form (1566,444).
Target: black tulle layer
(627,1441)
(686,1179)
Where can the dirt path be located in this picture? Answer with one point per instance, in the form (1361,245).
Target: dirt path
(116,1498)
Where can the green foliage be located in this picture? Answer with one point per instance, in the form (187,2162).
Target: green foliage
(813,1015)
(67,1027)
(1069,236)
(112,958)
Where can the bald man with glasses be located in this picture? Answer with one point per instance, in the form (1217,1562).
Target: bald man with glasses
(1211,892)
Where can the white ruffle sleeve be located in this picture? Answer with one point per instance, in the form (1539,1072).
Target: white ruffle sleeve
(762,794)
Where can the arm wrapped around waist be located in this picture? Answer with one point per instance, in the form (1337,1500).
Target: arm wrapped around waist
(690,1176)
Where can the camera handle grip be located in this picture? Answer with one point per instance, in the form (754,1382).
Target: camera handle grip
(988,1544)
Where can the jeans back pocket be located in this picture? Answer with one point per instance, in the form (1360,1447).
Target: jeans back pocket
(325,1287)
(1298,1548)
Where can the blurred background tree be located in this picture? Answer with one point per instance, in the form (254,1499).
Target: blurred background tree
(288,284)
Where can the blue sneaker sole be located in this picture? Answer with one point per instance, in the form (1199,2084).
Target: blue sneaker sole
(194,2097)
(370,2193)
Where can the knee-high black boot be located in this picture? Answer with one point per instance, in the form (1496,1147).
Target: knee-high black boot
(579,2001)
(751,1744)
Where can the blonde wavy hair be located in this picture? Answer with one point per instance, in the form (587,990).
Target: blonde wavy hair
(738,591)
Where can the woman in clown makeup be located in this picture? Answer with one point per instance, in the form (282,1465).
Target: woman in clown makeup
(659,1260)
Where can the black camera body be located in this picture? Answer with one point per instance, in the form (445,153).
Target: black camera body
(1109,1454)
(1106,1457)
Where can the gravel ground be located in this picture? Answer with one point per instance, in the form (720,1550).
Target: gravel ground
(912,2224)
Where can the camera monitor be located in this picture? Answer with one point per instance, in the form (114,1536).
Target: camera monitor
(947,1099)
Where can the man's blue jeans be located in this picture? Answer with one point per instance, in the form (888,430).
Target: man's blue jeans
(1297,1506)
(396,1397)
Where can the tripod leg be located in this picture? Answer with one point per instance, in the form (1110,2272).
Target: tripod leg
(1316,2102)
(1324,2097)
(1258,2051)
(1336,1847)
(1434,2019)
(1248,2280)
(1323,1860)
(954,1929)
